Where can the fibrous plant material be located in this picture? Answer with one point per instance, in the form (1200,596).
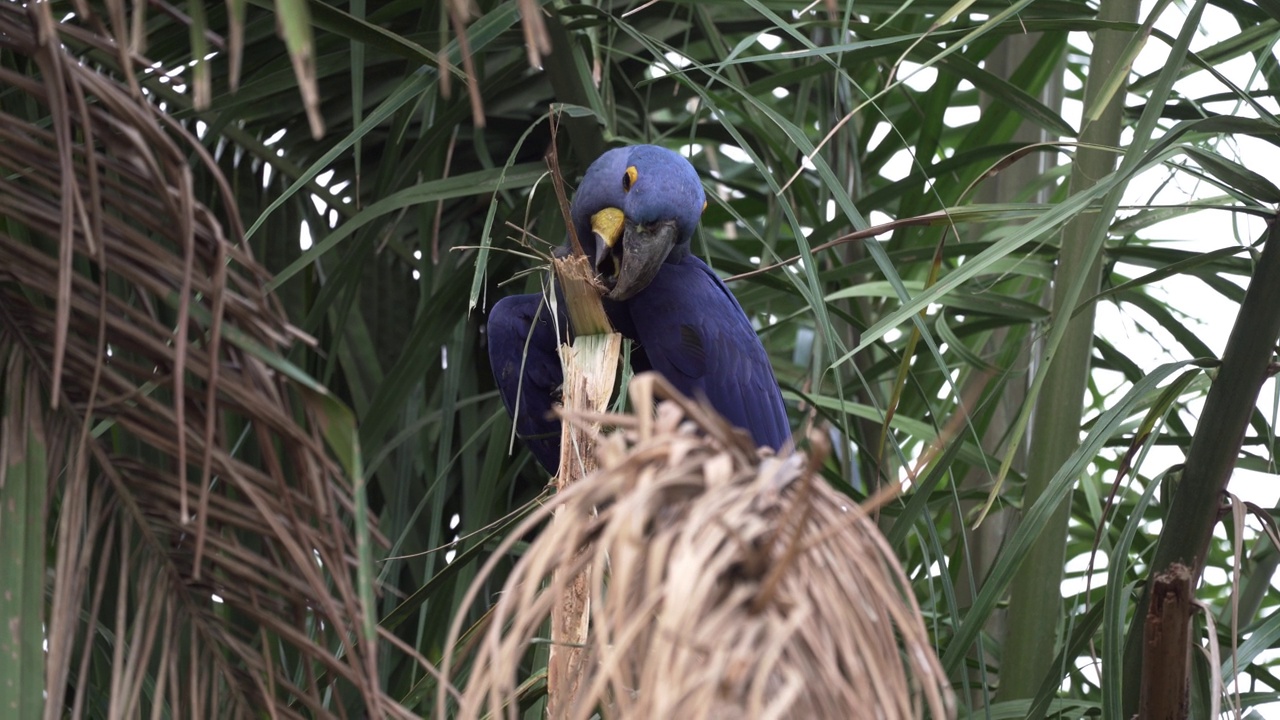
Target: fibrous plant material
(201,561)
(590,366)
(724,584)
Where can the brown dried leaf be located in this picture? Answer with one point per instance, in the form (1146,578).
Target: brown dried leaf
(724,584)
(124,290)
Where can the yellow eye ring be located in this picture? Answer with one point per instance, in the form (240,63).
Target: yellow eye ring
(629,178)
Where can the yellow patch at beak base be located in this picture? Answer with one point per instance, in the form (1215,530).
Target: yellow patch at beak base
(608,224)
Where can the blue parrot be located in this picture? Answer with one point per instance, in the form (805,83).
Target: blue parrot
(635,213)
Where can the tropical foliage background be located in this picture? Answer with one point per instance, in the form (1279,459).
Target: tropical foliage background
(385,160)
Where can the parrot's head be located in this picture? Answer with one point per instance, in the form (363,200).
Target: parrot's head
(637,208)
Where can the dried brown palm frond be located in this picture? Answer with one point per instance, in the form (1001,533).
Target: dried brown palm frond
(724,585)
(203,563)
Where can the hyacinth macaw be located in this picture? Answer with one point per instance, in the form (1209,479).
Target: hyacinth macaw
(635,212)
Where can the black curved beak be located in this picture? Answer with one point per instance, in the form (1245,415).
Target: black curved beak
(644,250)
(627,256)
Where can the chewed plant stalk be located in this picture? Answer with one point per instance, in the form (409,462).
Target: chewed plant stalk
(590,364)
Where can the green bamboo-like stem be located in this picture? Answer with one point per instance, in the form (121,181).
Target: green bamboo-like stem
(23,485)
(1035,607)
(1010,346)
(1216,444)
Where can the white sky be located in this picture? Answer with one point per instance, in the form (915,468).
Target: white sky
(1203,231)
(1211,315)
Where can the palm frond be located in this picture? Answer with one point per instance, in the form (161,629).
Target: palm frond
(202,523)
(723,584)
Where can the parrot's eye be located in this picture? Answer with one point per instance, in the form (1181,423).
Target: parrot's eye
(629,178)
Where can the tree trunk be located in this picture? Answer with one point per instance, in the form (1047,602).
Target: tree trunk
(1166,647)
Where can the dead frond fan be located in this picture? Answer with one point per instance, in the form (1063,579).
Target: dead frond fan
(723,584)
